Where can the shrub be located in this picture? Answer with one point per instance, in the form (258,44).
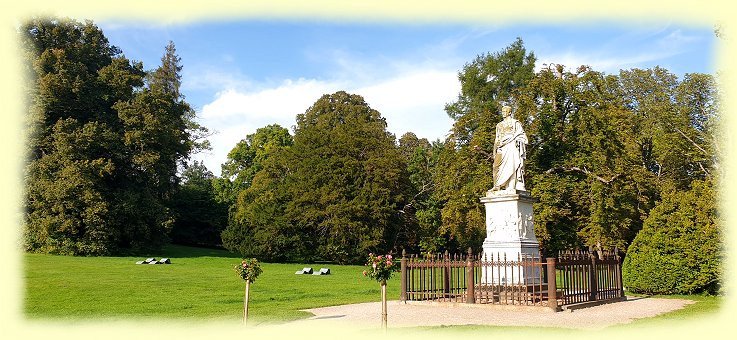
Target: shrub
(678,250)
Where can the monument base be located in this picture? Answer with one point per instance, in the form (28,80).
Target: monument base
(510,248)
(511,263)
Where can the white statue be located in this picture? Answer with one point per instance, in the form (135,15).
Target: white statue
(509,154)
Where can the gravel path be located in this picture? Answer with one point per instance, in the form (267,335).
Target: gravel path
(367,315)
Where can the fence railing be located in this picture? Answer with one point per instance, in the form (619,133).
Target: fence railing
(495,279)
(585,276)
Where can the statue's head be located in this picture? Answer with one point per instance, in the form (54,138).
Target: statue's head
(506,111)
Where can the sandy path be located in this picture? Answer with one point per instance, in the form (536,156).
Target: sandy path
(367,315)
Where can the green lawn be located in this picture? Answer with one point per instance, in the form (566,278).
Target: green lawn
(704,306)
(199,284)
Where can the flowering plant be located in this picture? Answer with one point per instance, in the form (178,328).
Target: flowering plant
(380,267)
(249,269)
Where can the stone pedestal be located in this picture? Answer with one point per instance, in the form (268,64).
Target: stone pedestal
(510,234)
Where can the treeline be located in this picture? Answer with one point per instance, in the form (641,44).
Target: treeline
(105,139)
(604,150)
(621,161)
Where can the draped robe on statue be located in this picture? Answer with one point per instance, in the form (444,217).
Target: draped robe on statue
(509,154)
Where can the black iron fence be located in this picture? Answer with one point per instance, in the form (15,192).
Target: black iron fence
(525,280)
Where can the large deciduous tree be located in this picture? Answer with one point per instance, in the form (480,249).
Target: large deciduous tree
(421,212)
(247,158)
(253,187)
(465,165)
(103,143)
(335,194)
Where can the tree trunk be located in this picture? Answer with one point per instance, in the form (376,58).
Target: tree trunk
(245,302)
(383,305)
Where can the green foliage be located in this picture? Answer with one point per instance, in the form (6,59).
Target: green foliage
(253,185)
(199,216)
(247,158)
(334,194)
(421,217)
(380,267)
(103,147)
(248,269)
(464,164)
(679,250)
(348,180)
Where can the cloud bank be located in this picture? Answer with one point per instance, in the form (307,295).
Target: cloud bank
(410,100)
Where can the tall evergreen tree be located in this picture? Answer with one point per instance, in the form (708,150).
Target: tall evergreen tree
(335,194)
(103,148)
(348,181)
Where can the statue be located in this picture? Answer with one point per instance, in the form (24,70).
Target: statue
(510,226)
(509,154)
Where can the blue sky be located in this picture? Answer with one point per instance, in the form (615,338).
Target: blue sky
(242,75)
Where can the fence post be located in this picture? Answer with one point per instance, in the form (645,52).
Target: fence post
(592,277)
(618,272)
(403,282)
(446,275)
(552,293)
(470,290)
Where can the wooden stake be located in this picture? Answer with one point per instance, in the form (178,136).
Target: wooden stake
(383,306)
(245,302)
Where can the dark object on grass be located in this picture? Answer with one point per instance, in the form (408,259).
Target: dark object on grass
(147,261)
(306,270)
(322,271)
(152,260)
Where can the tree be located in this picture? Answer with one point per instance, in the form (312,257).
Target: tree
(246,159)
(348,181)
(199,217)
(253,185)
(335,194)
(103,147)
(464,163)
(578,162)
(74,153)
(259,224)
(421,214)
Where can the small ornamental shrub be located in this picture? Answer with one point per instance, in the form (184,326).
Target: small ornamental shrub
(248,270)
(679,249)
(380,267)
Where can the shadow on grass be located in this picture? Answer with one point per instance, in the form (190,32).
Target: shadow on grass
(179,251)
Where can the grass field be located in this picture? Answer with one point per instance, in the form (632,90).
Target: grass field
(199,284)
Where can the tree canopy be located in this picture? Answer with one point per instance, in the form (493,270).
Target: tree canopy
(337,190)
(625,161)
(106,138)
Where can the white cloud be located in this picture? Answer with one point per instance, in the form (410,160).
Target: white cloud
(211,77)
(606,62)
(238,112)
(282,102)
(610,56)
(411,100)
(414,102)
(677,41)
